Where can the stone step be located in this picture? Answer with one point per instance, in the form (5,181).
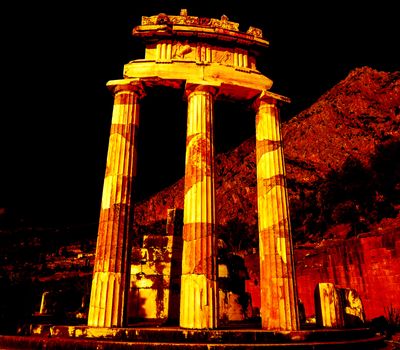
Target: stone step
(59,343)
(214,336)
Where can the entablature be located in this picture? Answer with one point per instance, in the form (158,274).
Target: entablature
(237,84)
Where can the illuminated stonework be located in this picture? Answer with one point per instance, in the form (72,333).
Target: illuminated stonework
(199,277)
(213,60)
(108,298)
(278,292)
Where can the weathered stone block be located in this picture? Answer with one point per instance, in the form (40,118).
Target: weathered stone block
(328,306)
(353,310)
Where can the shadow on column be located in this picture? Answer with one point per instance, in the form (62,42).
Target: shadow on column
(174,227)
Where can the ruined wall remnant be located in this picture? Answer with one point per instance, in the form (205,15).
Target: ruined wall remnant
(369,263)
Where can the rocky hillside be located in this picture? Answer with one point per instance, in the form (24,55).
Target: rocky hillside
(350,120)
(342,169)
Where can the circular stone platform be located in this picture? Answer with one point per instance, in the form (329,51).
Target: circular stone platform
(83,337)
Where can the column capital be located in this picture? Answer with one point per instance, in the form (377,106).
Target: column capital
(270,98)
(133,85)
(196,87)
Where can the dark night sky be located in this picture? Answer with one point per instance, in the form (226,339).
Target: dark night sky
(57,59)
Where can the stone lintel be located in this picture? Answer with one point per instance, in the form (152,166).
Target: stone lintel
(234,92)
(235,84)
(225,89)
(265,95)
(192,86)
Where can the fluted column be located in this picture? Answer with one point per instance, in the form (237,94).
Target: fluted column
(108,301)
(277,274)
(199,308)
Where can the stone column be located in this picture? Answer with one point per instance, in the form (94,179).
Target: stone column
(277,274)
(110,285)
(199,306)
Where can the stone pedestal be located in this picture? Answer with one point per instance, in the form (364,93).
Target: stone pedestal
(199,275)
(277,281)
(108,301)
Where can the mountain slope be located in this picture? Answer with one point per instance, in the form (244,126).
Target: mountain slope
(339,160)
(352,118)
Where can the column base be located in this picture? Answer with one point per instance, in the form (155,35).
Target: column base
(198,302)
(106,301)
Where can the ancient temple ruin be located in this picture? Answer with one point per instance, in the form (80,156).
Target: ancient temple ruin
(210,59)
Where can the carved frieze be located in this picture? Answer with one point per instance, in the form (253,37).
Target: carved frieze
(224,57)
(203,53)
(182,50)
(167,51)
